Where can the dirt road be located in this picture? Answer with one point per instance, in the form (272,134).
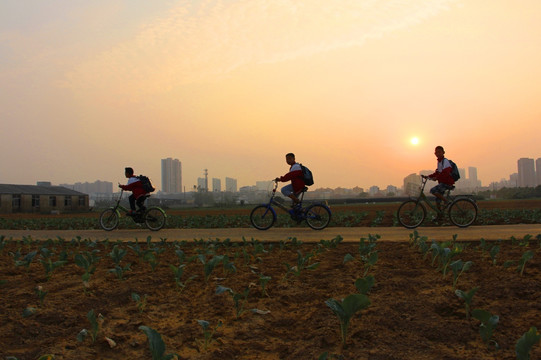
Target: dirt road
(492,232)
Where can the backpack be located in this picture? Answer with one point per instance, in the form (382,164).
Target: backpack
(145,181)
(307,176)
(455,174)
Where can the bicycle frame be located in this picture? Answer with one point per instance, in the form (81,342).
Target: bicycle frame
(423,198)
(274,202)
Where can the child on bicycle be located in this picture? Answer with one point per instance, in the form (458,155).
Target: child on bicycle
(138,193)
(443,176)
(297,181)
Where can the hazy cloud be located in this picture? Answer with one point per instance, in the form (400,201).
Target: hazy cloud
(201,42)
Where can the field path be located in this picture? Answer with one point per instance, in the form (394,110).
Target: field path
(352,234)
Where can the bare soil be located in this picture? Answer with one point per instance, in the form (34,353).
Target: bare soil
(414,312)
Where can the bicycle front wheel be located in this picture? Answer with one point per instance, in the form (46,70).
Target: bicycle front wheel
(262,217)
(318,216)
(154,218)
(411,214)
(463,212)
(109,219)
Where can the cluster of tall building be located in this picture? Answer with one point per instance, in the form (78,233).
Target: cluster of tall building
(529,172)
(172,180)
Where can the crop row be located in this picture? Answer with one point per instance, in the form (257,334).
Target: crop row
(339,219)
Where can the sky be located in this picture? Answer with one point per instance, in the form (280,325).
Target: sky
(90,87)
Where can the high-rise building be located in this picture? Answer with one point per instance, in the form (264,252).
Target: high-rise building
(202,184)
(526,172)
(230,184)
(538,171)
(472,172)
(216,185)
(171,176)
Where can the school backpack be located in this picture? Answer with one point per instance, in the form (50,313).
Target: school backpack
(455,174)
(307,176)
(145,181)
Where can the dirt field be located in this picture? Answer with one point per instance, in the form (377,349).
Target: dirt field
(414,312)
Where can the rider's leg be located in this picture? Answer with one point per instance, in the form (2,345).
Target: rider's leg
(141,203)
(288,191)
(131,198)
(438,192)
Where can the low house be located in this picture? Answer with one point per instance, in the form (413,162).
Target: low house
(41,199)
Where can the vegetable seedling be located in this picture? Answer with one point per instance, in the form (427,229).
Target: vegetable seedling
(156,344)
(239,299)
(488,324)
(467,297)
(345,310)
(526,342)
(207,333)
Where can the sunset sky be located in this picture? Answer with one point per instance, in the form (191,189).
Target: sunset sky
(89,87)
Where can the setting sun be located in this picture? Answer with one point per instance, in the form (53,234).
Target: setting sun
(414,141)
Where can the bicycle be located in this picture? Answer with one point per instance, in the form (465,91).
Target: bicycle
(461,210)
(317,215)
(153,217)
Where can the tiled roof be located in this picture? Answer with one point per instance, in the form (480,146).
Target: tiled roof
(37,190)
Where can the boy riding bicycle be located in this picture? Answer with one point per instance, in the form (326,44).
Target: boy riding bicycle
(297,182)
(443,176)
(138,195)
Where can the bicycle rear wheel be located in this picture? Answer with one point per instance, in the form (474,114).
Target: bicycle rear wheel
(318,216)
(109,219)
(463,212)
(411,214)
(262,217)
(154,218)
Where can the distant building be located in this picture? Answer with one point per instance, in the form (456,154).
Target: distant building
(41,199)
(411,184)
(263,185)
(202,184)
(230,184)
(216,185)
(538,171)
(526,172)
(171,176)
(97,187)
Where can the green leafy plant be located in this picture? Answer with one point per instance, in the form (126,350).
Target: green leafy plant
(41,294)
(493,253)
(117,254)
(208,333)
(303,263)
(49,266)
(120,270)
(29,311)
(239,299)
(156,344)
(467,297)
(27,260)
(87,260)
(141,302)
(345,310)
(95,325)
(458,267)
(178,272)
(527,256)
(526,342)
(488,324)
(263,281)
(365,284)
(208,266)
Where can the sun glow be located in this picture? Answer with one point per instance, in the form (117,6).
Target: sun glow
(414,141)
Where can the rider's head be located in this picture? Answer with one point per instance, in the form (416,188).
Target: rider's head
(439,152)
(290,158)
(128,172)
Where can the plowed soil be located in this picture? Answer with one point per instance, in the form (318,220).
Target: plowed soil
(414,312)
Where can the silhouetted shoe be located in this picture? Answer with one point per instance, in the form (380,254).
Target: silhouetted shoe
(131,213)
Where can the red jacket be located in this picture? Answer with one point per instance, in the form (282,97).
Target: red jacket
(443,173)
(296,177)
(135,186)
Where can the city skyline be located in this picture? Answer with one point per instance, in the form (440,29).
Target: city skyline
(360,90)
(469,180)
